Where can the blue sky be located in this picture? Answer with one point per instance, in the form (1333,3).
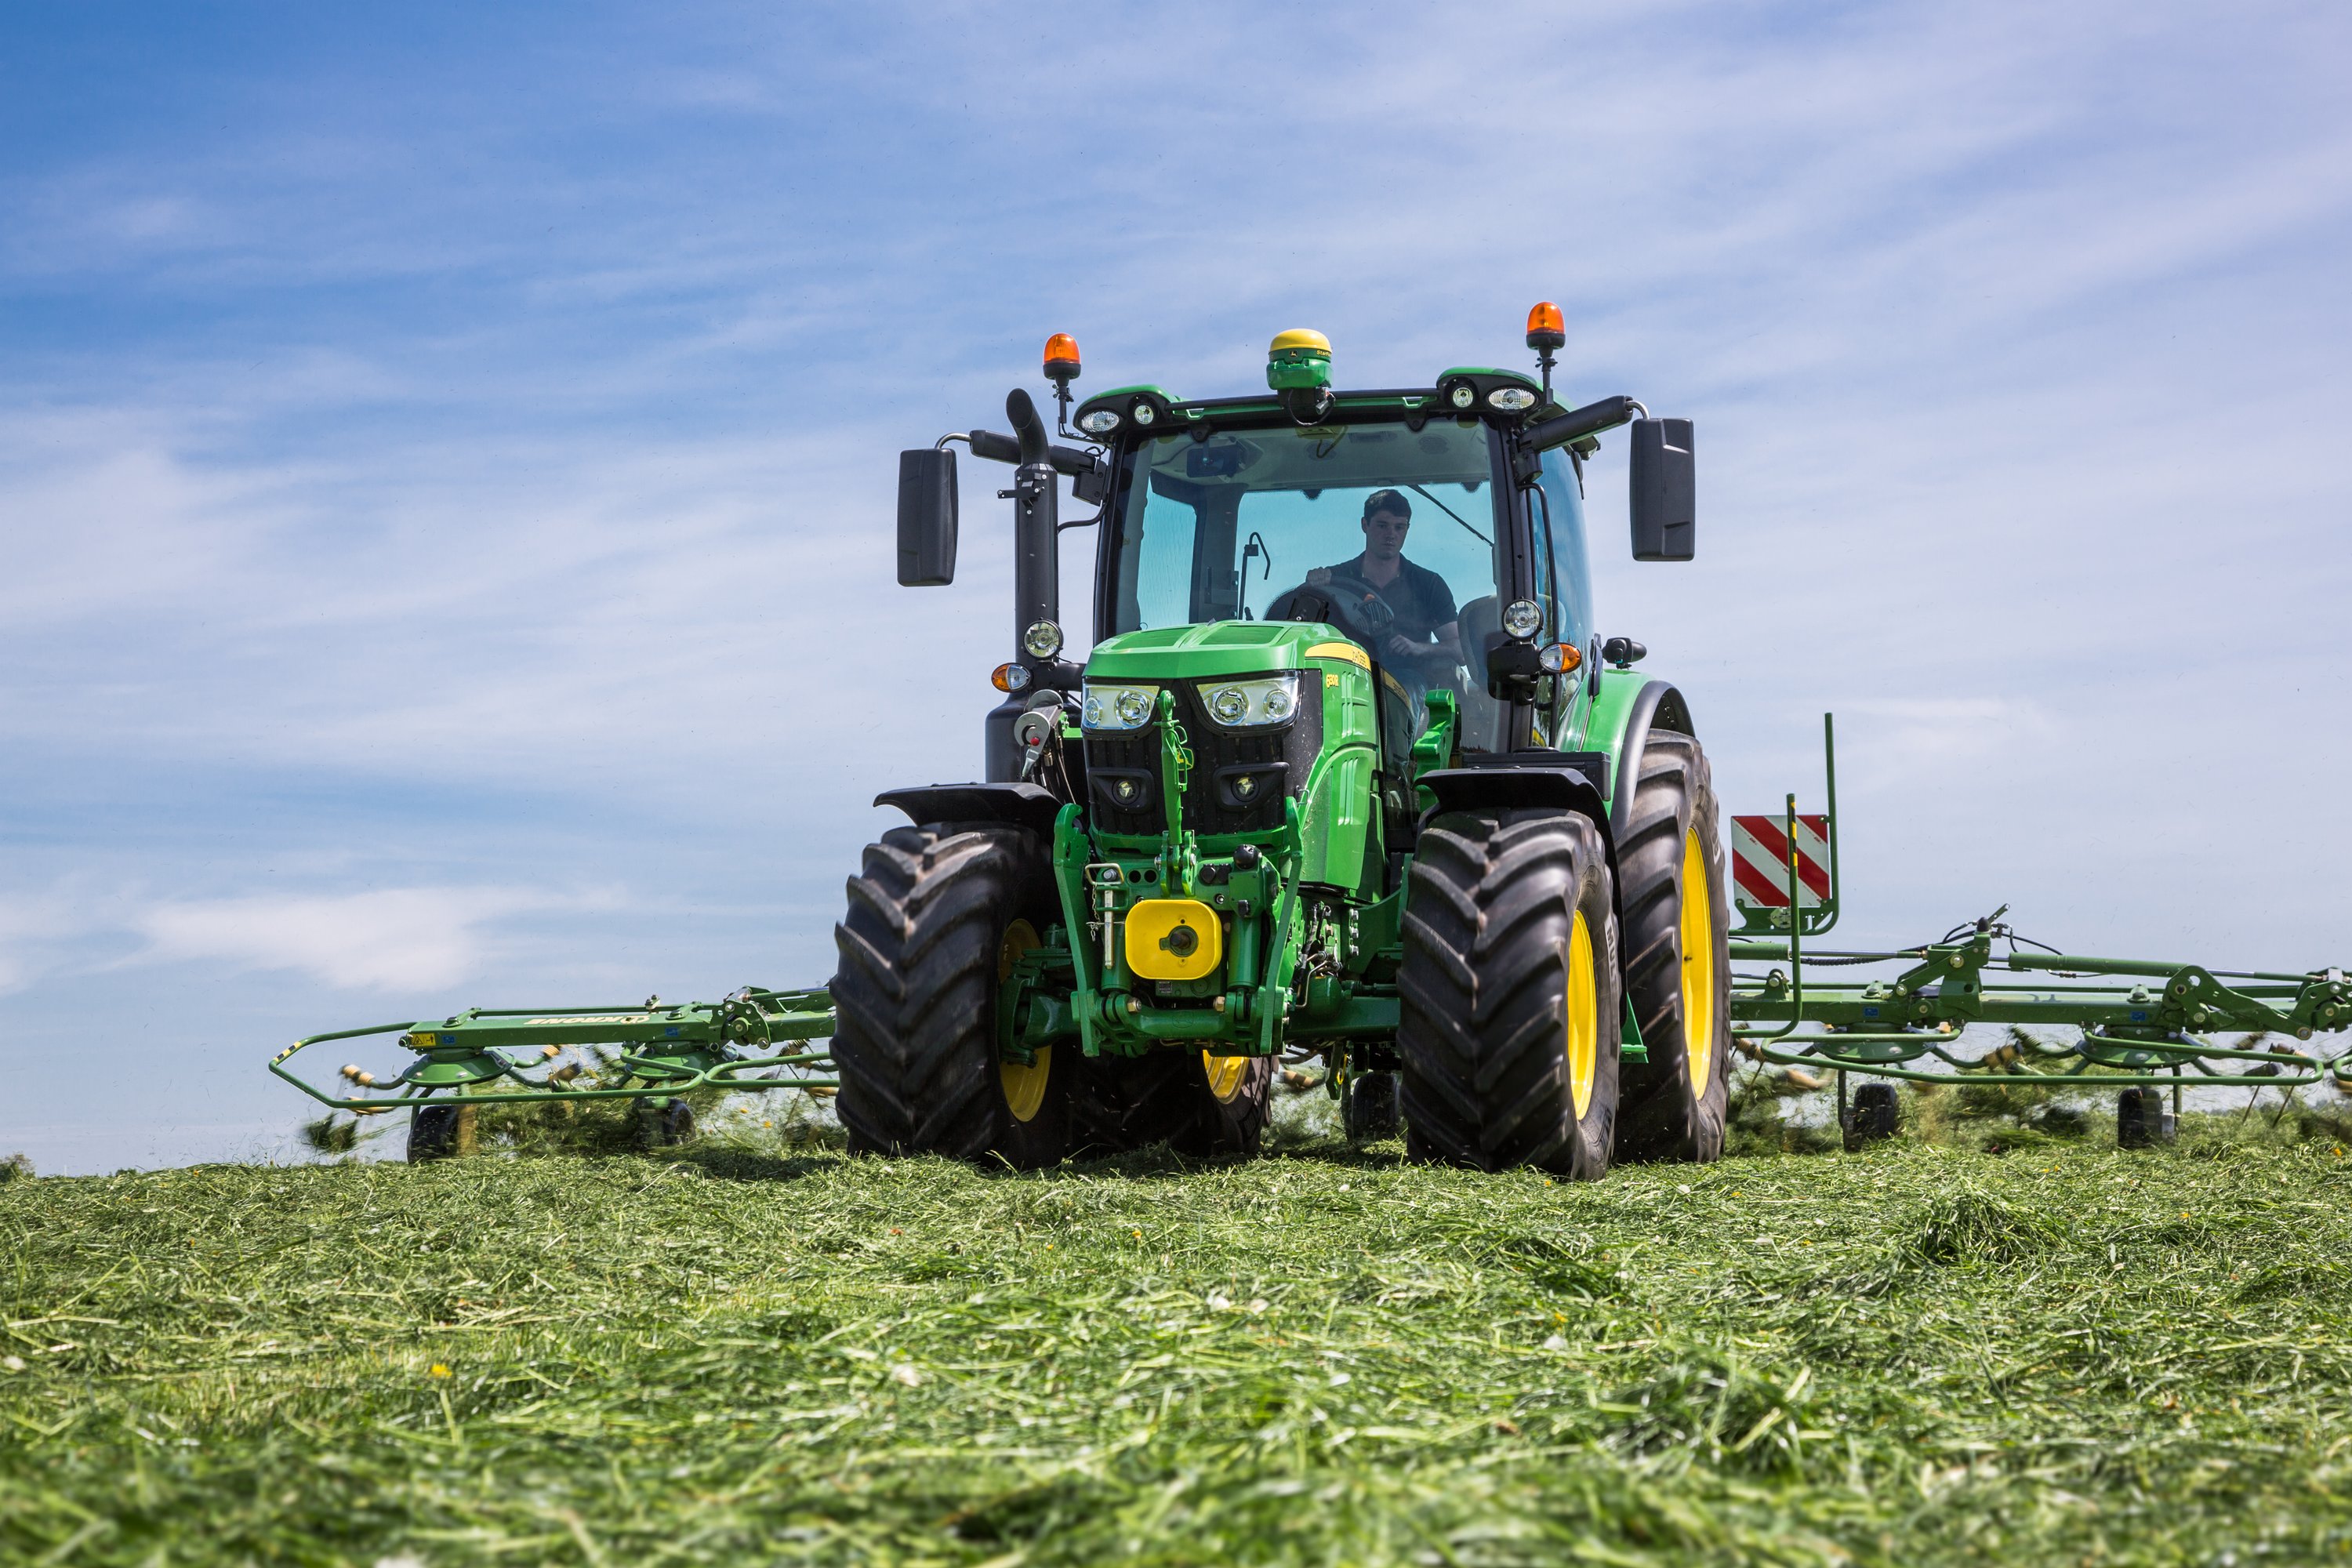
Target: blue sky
(447,454)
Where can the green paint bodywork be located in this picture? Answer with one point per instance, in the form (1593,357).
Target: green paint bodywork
(1328,842)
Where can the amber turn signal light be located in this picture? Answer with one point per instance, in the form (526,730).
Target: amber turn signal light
(1560,659)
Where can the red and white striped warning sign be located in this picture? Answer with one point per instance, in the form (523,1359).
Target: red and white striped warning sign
(1760,862)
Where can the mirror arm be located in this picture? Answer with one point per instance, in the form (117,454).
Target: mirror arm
(1578,423)
(1068,461)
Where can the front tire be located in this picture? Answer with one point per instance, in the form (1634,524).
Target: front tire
(1510,1014)
(936,920)
(1678,957)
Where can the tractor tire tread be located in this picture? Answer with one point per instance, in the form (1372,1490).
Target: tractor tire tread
(1491,898)
(1660,1116)
(913,996)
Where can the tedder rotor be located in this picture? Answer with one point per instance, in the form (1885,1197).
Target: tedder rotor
(1350,780)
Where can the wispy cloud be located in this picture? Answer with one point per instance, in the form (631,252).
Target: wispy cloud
(400,938)
(395,939)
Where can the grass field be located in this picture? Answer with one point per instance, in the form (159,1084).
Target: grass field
(750,1353)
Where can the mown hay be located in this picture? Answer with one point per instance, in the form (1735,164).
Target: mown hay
(757,1351)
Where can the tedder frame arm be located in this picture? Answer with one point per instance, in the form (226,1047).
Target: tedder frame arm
(2140,1022)
(484,1054)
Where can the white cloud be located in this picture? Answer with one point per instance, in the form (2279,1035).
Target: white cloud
(392,938)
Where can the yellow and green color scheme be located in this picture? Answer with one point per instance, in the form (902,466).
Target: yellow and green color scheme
(1249,829)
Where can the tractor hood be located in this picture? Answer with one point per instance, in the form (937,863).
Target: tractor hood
(1222,648)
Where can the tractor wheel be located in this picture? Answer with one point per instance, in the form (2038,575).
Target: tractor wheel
(1118,1103)
(1230,1099)
(1368,1107)
(666,1126)
(432,1133)
(1678,957)
(1511,1014)
(1197,1104)
(936,920)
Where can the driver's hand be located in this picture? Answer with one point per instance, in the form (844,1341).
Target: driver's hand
(1399,646)
(1317,576)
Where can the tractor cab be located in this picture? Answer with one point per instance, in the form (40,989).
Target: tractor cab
(1405,533)
(1439,530)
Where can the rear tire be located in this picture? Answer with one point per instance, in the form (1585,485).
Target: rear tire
(936,920)
(1197,1104)
(1678,957)
(1230,1098)
(1368,1109)
(1510,1014)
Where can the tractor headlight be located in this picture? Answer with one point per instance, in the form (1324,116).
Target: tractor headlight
(1041,640)
(1251,704)
(1116,707)
(1510,399)
(1523,618)
(1099,421)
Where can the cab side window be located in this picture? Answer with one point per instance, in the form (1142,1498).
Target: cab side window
(1559,513)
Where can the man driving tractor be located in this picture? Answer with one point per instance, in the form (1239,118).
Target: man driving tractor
(1424,646)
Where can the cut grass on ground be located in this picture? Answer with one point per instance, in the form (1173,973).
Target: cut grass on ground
(726,1354)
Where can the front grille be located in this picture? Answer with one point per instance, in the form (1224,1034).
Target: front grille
(1273,763)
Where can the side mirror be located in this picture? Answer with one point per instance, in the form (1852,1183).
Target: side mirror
(927,518)
(1665,491)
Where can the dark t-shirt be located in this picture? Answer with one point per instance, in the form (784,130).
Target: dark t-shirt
(1418,596)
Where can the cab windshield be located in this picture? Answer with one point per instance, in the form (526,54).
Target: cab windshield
(1386,531)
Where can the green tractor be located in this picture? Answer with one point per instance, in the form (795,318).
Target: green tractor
(1350,772)
(1350,775)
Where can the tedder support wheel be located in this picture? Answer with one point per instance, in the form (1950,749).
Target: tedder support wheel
(1678,957)
(432,1133)
(2143,1119)
(665,1126)
(1368,1107)
(1197,1104)
(1873,1118)
(1511,1012)
(936,917)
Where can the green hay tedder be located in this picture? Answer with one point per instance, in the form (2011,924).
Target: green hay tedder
(1350,784)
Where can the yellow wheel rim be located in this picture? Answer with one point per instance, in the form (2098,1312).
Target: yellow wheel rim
(1698,966)
(1225,1075)
(1023,1085)
(1583,1017)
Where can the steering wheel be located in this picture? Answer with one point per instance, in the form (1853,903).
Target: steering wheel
(1353,605)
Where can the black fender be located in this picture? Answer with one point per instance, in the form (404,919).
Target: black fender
(1562,781)
(1019,804)
(1657,706)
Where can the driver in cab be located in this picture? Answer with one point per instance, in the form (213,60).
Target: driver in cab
(1424,646)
